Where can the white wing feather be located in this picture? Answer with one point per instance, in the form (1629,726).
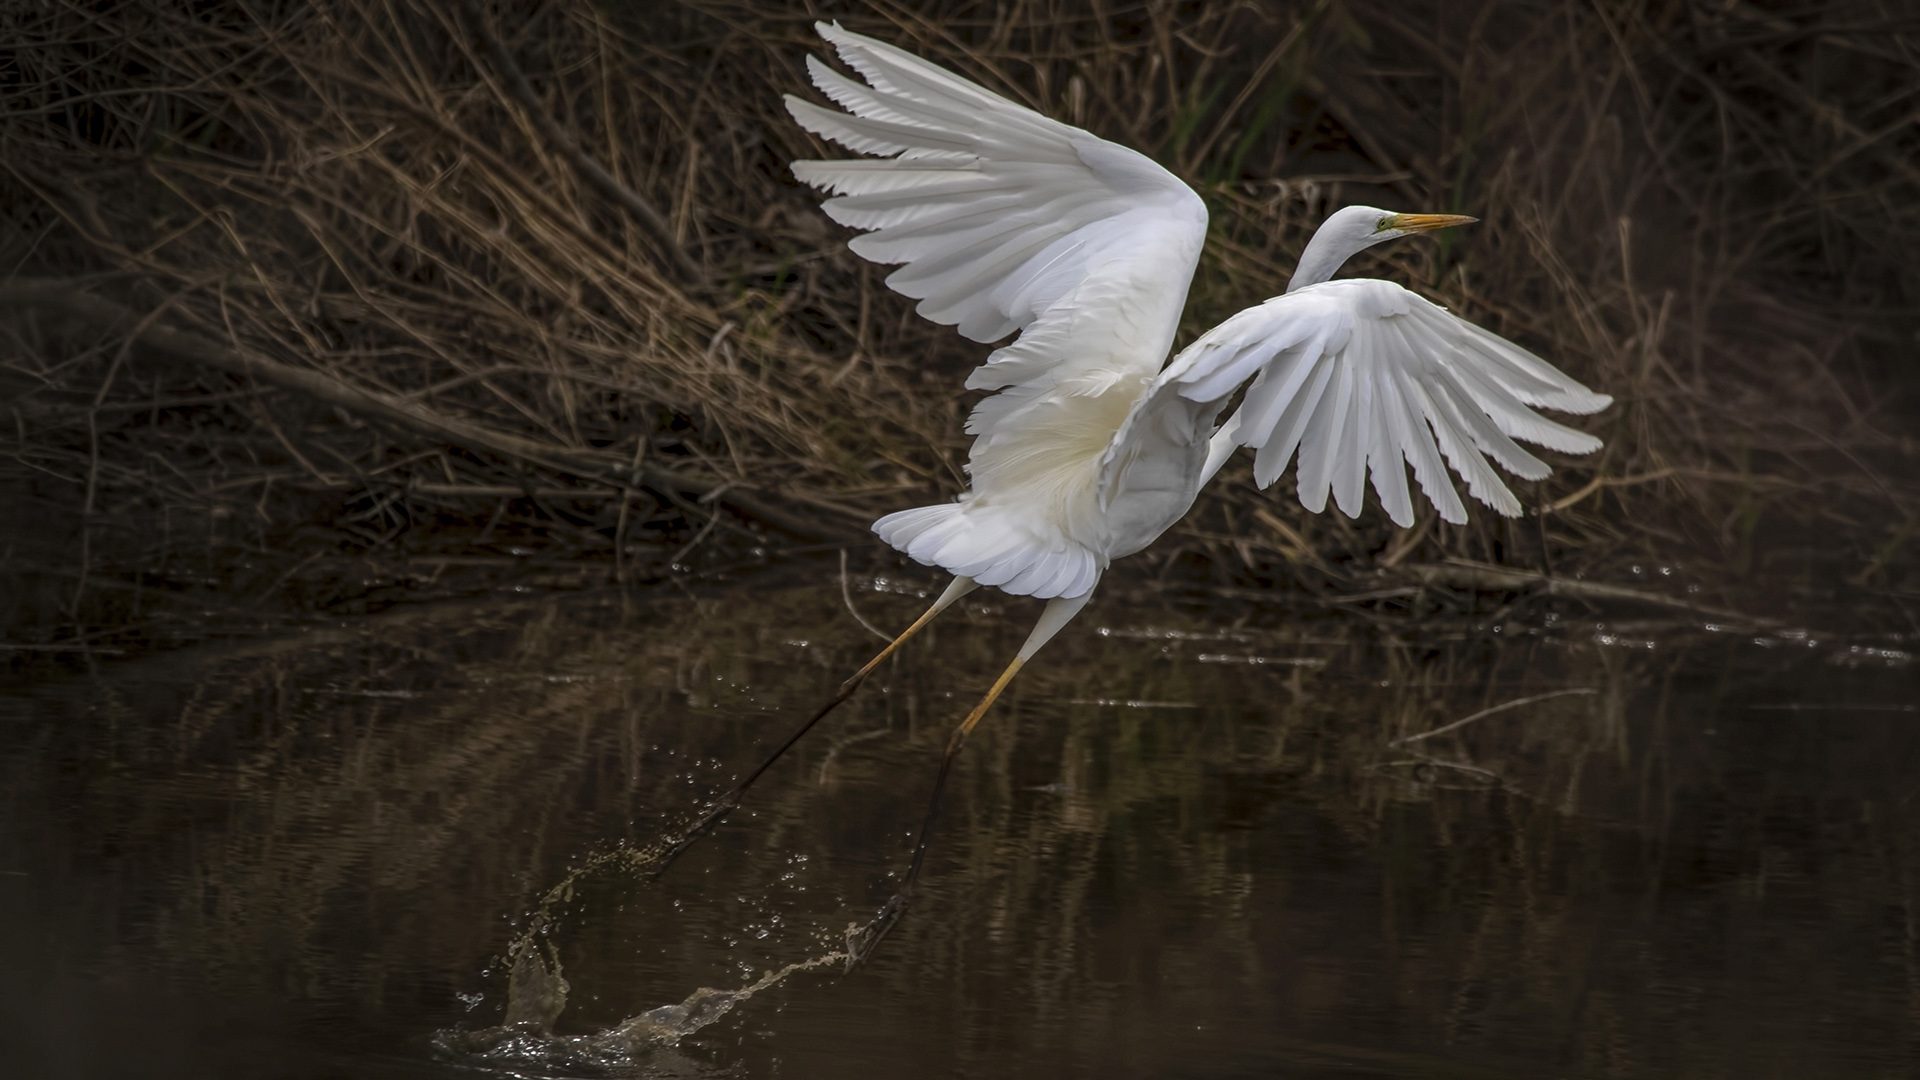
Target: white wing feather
(997,211)
(1008,221)
(1357,375)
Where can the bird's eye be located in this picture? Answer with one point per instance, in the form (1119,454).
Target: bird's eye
(1385,224)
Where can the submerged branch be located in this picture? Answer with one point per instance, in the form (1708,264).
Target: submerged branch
(1461,573)
(1491,710)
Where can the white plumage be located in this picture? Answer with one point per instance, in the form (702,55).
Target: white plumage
(1004,221)
(1363,373)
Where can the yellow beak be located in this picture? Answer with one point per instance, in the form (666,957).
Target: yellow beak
(1426,222)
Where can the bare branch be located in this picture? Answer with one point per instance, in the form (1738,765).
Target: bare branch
(69,297)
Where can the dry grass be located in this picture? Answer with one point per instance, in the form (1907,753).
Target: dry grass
(1706,211)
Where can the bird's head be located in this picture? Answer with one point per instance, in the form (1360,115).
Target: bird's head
(1354,229)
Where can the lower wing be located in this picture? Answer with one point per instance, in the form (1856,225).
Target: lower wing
(1359,374)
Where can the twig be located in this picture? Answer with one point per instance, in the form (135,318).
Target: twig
(626,504)
(833,752)
(846,596)
(713,520)
(1500,708)
(60,648)
(463,491)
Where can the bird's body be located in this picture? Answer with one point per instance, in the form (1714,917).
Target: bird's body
(1052,504)
(1093,443)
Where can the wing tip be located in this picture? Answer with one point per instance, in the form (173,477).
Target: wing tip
(819,72)
(1582,443)
(1587,404)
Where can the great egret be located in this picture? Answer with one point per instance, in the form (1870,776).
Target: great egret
(1006,221)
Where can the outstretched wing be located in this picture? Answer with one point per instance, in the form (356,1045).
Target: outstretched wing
(1359,373)
(1005,220)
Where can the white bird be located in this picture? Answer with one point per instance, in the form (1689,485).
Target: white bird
(1004,221)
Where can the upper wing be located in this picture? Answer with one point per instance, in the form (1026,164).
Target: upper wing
(1359,373)
(1006,220)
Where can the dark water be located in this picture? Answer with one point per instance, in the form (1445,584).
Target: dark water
(1178,848)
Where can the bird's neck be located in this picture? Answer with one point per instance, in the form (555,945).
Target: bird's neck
(1325,254)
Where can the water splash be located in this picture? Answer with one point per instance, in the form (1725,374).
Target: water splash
(537,990)
(537,995)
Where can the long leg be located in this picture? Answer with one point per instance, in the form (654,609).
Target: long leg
(725,805)
(861,943)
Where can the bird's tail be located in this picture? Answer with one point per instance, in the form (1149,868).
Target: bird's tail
(992,548)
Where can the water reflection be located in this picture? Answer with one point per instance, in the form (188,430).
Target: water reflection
(1178,848)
